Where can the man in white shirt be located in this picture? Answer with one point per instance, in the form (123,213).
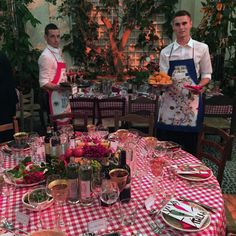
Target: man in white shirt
(188,63)
(52,71)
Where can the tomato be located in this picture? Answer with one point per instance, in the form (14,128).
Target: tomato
(78,152)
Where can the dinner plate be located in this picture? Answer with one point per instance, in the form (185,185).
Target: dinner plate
(195,178)
(160,84)
(26,204)
(177,225)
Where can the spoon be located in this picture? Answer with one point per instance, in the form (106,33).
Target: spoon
(9,226)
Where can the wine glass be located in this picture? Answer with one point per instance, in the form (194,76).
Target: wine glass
(38,198)
(119,176)
(109,194)
(58,188)
(150,143)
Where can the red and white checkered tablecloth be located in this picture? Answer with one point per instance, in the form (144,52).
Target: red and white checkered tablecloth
(218,109)
(76,217)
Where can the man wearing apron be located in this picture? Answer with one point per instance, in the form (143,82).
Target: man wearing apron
(52,72)
(188,63)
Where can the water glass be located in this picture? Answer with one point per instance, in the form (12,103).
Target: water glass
(129,209)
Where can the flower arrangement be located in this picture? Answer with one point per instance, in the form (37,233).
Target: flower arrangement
(97,151)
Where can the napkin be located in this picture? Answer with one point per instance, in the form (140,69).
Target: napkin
(195,88)
(189,217)
(194,170)
(201,174)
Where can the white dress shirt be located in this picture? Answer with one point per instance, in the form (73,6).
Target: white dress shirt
(201,56)
(48,64)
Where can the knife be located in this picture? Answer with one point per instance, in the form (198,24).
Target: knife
(209,208)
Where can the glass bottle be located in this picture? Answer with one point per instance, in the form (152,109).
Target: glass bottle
(55,144)
(126,192)
(47,145)
(73,185)
(85,178)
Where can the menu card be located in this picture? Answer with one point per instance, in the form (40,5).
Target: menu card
(185,213)
(191,169)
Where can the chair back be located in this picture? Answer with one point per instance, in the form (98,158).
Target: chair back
(220,112)
(137,119)
(85,107)
(143,106)
(73,118)
(10,126)
(215,145)
(108,107)
(26,109)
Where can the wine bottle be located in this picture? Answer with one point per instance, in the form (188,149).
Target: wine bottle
(55,144)
(125,194)
(47,144)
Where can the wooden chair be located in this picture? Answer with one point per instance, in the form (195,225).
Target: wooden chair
(84,107)
(215,145)
(230,212)
(72,118)
(220,112)
(10,126)
(137,119)
(143,106)
(28,109)
(108,107)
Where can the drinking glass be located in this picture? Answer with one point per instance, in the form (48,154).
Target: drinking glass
(169,182)
(96,183)
(58,188)
(109,195)
(150,143)
(38,198)
(34,142)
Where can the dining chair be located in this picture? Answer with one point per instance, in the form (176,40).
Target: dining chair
(230,212)
(28,110)
(13,126)
(108,107)
(220,112)
(127,120)
(83,106)
(215,145)
(78,120)
(143,106)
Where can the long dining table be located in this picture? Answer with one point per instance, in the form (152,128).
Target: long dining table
(76,217)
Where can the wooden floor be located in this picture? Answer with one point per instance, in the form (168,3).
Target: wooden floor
(230,200)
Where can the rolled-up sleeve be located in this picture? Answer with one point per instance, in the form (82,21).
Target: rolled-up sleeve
(205,64)
(47,69)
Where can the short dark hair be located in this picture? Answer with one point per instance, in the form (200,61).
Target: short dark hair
(182,13)
(48,27)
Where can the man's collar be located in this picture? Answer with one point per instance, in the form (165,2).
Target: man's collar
(190,44)
(56,50)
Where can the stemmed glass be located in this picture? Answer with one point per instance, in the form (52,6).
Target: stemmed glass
(34,142)
(109,194)
(38,198)
(58,189)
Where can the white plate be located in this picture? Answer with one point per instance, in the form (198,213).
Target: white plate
(29,207)
(9,181)
(195,178)
(176,224)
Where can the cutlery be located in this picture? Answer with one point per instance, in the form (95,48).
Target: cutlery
(10,227)
(209,208)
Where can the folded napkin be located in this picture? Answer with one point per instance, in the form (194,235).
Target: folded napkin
(193,170)
(189,217)
(201,174)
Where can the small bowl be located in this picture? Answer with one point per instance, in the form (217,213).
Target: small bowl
(26,204)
